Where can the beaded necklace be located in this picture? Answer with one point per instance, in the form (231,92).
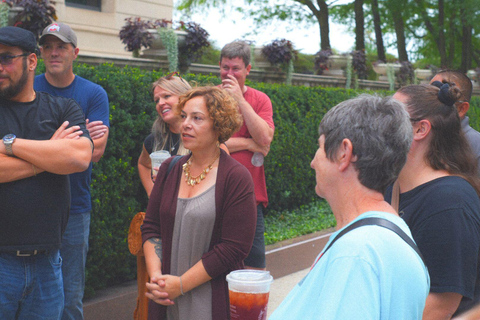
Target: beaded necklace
(192,181)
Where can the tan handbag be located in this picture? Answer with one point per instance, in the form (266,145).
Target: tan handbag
(135,247)
(135,235)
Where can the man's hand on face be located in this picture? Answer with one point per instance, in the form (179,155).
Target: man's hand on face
(233,88)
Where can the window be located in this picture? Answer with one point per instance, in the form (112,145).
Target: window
(86,4)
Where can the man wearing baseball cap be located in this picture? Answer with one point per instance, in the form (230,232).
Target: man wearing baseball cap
(58,47)
(44,139)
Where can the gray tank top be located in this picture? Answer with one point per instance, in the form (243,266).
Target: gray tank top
(192,233)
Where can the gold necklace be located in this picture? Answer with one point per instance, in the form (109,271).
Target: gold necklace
(192,181)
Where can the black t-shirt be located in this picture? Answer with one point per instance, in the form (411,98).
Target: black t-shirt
(172,144)
(34,211)
(444,217)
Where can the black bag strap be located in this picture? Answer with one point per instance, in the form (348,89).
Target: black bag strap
(382,223)
(172,163)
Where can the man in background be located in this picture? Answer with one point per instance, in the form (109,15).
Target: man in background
(44,139)
(58,47)
(253,138)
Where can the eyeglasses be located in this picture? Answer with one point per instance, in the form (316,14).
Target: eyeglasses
(7,60)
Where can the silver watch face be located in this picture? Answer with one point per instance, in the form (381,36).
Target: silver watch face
(9,138)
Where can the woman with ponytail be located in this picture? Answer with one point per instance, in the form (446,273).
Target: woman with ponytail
(437,193)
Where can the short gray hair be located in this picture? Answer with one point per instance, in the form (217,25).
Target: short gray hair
(380,132)
(236,49)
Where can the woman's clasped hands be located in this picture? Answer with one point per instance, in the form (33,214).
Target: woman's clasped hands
(164,289)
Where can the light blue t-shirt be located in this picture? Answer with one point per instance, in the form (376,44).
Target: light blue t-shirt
(369,273)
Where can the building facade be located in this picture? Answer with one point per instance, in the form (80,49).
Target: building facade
(98,22)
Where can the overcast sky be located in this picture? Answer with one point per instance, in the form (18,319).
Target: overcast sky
(235,26)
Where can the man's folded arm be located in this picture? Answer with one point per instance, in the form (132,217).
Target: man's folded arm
(62,156)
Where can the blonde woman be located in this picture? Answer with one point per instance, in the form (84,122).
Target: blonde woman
(166,128)
(164,136)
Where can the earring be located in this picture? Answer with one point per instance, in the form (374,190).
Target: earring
(218,144)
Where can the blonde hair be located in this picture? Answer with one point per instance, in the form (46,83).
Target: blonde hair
(160,130)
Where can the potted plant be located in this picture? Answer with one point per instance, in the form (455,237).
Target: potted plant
(259,61)
(161,39)
(424,75)
(196,42)
(359,63)
(32,15)
(356,68)
(135,36)
(280,54)
(321,61)
(474,76)
(164,36)
(383,69)
(337,63)
(406,74)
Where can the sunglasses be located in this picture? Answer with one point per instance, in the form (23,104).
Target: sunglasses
(171,75)
(6,60)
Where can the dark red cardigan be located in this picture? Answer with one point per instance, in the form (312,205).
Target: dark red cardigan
(233,230)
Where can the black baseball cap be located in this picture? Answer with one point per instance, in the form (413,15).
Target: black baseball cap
(18,37)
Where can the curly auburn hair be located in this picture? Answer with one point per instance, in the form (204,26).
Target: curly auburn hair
(222,109)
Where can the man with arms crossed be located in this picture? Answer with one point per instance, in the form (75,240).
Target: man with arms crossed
(255,135)
(58,47)
(465,86)
(369,272)
(37,153)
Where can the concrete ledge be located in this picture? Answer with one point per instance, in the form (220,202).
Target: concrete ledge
(283,258)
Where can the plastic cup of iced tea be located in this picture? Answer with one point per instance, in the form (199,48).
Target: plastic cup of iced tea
(249,291)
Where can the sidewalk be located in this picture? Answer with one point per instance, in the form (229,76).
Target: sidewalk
(288,262)
(281,287)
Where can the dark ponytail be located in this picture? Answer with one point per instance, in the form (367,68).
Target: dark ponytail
(449,150)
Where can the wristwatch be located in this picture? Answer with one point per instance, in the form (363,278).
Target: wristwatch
(8,140)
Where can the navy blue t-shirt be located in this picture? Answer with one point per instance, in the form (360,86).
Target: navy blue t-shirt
(93,100)
(444,217)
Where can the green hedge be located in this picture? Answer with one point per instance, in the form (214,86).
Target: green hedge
(117,194)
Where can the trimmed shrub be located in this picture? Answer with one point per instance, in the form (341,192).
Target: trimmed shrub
(117,193)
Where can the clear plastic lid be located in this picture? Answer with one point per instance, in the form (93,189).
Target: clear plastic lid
(162,154)
(249,280)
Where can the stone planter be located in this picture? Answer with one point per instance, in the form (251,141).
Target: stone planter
(337,65)
(472,74)
(12,14)
(157,49)
(259,60)
(381,69)
(424,75)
